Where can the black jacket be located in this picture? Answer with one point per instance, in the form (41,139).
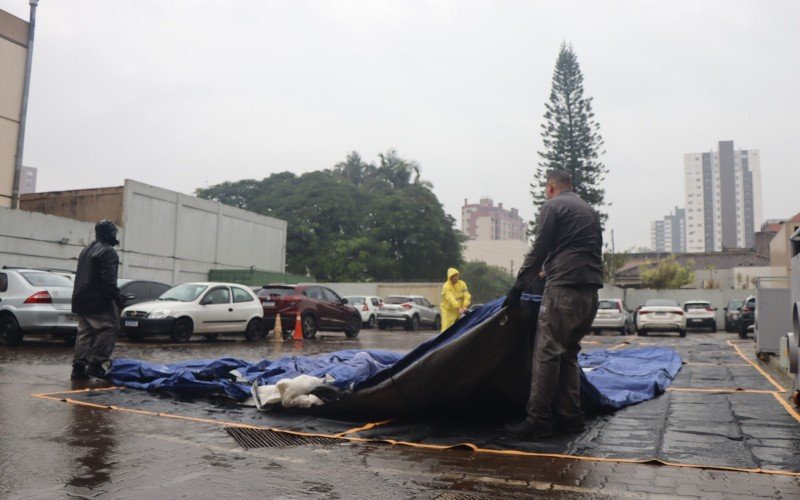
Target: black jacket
(95,289)
(568,245)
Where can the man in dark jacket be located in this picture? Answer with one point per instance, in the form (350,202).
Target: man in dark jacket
(96,300)
(568,244)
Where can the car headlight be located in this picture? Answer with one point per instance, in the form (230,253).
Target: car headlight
(161,313)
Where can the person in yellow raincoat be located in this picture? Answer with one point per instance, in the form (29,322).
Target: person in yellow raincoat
(455,298)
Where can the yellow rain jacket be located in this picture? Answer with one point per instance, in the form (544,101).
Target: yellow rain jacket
(453,297)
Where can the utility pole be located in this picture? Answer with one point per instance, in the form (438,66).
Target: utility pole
(24,109)
(613,248)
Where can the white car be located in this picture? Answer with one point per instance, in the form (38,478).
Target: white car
(700,314)
(661,315)
(205,308)
(611,315)
(368,306)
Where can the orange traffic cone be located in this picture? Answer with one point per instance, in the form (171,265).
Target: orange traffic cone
(298,329)
(278,328)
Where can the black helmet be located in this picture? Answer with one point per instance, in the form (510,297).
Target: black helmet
(106,231)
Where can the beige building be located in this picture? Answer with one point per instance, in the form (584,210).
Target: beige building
(780,247)
(13,54)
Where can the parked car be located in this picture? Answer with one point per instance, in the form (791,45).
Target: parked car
(319,307)
(411,311)
(368,307)
(732,312)
(35,302)
(661,315)
(700,314)
(138,291)
(611,315)
(747,317)
(205,308)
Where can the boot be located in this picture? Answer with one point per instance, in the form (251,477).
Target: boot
(99,370)
(78,372)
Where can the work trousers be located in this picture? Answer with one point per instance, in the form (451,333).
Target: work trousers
(97,334)
(565,317)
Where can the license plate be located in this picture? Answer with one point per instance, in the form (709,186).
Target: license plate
(132,324)
(696,320)
(661,314)
(67,318)
(269,304)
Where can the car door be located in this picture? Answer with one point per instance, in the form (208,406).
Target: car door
(426,313)
(216,311)
(338,312)
(430,310)
(244,306)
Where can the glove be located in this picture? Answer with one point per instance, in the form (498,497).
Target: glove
(512,298)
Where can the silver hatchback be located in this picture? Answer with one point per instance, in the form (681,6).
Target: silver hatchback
(35,301)
(411,311)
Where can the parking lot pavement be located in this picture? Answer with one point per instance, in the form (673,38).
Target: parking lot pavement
(51,449)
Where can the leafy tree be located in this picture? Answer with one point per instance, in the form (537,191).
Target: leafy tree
(571,137)
(355,221)
(485,282)
(667,274)
(612,262)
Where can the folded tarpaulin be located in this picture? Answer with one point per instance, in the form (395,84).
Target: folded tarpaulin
(480,364)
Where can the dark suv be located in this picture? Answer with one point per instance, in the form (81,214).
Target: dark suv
(747,316)
(319,307)
(732,314)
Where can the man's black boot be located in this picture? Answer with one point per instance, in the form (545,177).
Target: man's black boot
(99,370)
(78,372)
(570,425)
(529,429)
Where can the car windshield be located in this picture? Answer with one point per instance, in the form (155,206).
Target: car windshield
(355,300)
(607,304)
(183,293)
(734,304)
(661,303)
(46,279)
(696,305)
(397,300)
(279,291)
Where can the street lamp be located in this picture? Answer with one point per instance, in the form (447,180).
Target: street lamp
(24,109)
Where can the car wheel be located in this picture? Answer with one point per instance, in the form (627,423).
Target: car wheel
(10,334)
(596,331)
(727,327)
(437,323)
(371,322)
(714,327)
(309,326)
(623,331)
(413,323)
(682,333)
(182,330)
(382,325)
(69,338)
(742,333)
(641,333)
(211,336)
(254,330)
(353,327)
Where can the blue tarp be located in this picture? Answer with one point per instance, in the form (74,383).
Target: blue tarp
(612,379)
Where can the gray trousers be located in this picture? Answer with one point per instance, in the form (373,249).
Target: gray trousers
(565,317)
(97,334)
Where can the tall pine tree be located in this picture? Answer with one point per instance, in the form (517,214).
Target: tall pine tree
(571,137)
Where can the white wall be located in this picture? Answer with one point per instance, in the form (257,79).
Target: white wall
(168,237)
(175,238)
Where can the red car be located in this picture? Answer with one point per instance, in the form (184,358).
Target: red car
(319,307)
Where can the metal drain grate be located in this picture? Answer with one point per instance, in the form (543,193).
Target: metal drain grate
(266,438)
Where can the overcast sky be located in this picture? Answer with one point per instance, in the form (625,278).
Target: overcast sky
(183,94)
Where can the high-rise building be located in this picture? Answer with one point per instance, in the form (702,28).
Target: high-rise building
(669,234)
(723,198)
(27,180)
(485,221)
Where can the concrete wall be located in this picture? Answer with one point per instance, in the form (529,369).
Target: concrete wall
(13,53)
(29,239)
(175,238)
(166,236)
(632,298)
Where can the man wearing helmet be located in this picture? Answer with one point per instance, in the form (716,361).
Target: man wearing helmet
(96,300)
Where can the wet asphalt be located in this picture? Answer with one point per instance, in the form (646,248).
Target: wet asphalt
(53,449)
